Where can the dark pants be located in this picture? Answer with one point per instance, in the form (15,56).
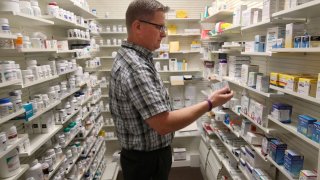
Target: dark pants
(142,165)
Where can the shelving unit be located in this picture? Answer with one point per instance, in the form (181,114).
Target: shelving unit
(64,23)
(264,129)
(183,35)
(78,39)
(71,5)
(183,19)
(281,168)
(10,83)
(18,19)
(184,52)
(23,169)
(39,81)
(306,10)
(69,117)
(218,16)
(296,50)
(11,116)
(71,92)
(7,36)
(112,33)
(86,100)
(21,138)
(257,53)
(56,166)
(39,113)
(37,140)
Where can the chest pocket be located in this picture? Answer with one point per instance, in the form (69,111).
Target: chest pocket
(163,90)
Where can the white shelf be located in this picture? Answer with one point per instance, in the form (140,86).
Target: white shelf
(107,57)
(74,161)
(110,46)
(228,146)
(237,134)
(252,89)
(66,51)
(83,57)
(78,39)
(110,171)
(86,100)
(306,10)
(70,5)
(11,116)
(21,138)
(37,50)
(92,69)
(232,46)
(7,36)
(68,117)
(281,168)
(182,19)
(257,149)
(67,72)
(69,93)
(184,52)
(183,35)
(105,95)
(186,134)
(64,23)
(86,115)
(37,140)
(56,166)
(96,101)
(39,81)
(218,16)
(293,129)
(39,113)
(110,19)
(10,83)
(86,134)
(159,59)
(111,139)
(70,140)
(296,50)
(257,53)
(112,33)
(187,71)
(99,162)
(308,98)
(264,129)
(232,29)
(105,70)
(18,19)
(23,169)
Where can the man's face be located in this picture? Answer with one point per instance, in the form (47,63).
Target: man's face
(153,31)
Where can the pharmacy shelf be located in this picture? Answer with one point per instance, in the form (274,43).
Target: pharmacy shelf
(109,19)
(99,162)
(218,16)
(182,19)
(72,6)
(185,52)
(264,129)
(94,69)
(187,71)
(74,161)
(39,113)
(23,169)
(183,35)
(39,81)
(68,117)
(232,46)
(56,166)
(78,39)
(264,25)
(237,134)
(281,169)
(186,134)
(70,140)
(86,115)
(83,57)
(109,126)
(18,19)
(86,100)
(37,140)
(296,50)
(105,70)
(11,116)
(224,51)
(21,138)
(7,36)
(107,57)
(110,46)
(233,29)
(293,129)
(68,71)
(37,50)
(111,139)
(69,93)
(65,51)
(111,171)
(257,149)
(112,33)
(96,101)
(269,95)
(160,59)
(105,95)
(86,134)
(10,83)
(239,174)
(182,163)
(257,53)
(306,10)
(245,174)
(308,98)
(64,23)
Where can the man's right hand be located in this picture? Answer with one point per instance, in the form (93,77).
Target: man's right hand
(221,96)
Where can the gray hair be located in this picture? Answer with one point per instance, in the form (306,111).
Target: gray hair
(143,10)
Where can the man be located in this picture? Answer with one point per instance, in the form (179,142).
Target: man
(139,102)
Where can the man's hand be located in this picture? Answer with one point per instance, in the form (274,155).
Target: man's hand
(221,96)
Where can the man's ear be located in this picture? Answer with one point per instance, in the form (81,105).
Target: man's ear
(136,26)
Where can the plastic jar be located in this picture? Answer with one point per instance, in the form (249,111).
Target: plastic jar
(25,7)
(223,68)
(58,151)
(12,134)
(62,114)
(68,108)
(35,170)
(52,154)
(10,5)
(35,7)
(48,160)
(53,9)
(28,77)
(9,164)
(6,107)
(3,141)
(5,28)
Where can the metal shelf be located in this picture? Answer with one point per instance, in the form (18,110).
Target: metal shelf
(293,129)
(308,98)
(11,116)
(218,16)
(37,140)
(18,19)
(306,10)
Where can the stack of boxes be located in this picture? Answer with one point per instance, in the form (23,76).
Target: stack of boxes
(235,63)
(269,7)
(277,151)
(293,162)
(275,38)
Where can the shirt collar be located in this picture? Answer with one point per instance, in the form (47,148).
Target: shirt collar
(144,51)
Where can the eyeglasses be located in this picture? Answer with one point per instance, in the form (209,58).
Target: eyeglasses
(161,28)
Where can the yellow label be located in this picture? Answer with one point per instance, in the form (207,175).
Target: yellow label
(181,14)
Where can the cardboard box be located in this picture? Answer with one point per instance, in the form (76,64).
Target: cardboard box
(263,83)
(307,86)
(291,82)
(249,46)
(305,125)
(274,78)
(248,15)
(245,69)
(293,30)
(257,16)
(174,46)
(260,114)
(179,154)
(245,104)
(272,35)
(237,15)
(307,175)
(271,6)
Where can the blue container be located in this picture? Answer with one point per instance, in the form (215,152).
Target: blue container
(282,112)
(277,151)
(316,132)
(305,125)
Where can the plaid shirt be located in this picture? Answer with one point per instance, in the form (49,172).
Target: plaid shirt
(136,94)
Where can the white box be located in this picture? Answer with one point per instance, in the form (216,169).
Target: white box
(260,114)
(245,69)
(318,87)
(269,7)
(257,16)
(245,104)
(179,154)
(237,15)
(252,79)
(173,64)
(295,3)
(292,30)
(252,108)
(254,139)
(247,16)
(249,46)
(263,83)
(272,35)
